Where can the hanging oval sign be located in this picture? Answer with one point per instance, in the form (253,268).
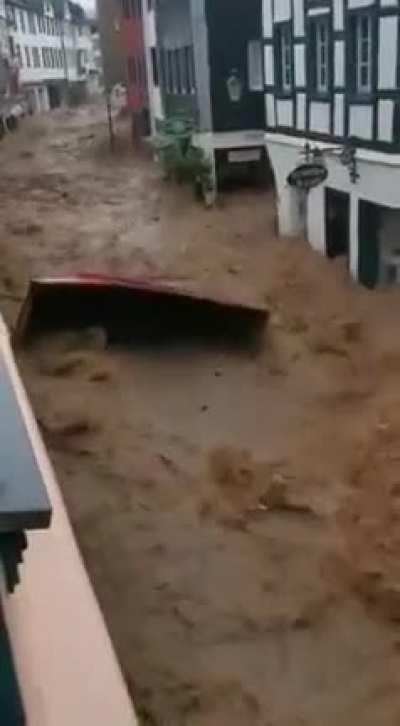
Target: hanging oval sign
(307,176)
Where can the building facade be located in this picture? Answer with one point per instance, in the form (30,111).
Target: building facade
(50,44)
(109,24)
(202,59)
(133,45)
(208,64)
(332,78)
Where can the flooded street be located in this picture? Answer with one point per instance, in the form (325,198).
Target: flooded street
(238,512)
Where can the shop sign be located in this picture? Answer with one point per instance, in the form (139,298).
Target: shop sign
(307,176)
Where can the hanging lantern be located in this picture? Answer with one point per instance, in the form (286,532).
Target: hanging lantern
(234,86)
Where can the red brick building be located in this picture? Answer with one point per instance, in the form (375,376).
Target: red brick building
(132,41)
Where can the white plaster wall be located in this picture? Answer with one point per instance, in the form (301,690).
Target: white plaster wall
(339,62)
(360,3)
(316,218)
(338,121)
(389,3)
(284,112)
(150,28)
(270,109)
(320,117)
(282,10)
(319,11)
(353,239)
(269,75)
(298,17)
(388,38)
(300,64)
(267,19)
(155,98)
(361,122)
(290,202)
(385,119)
(301,111)
(338,15)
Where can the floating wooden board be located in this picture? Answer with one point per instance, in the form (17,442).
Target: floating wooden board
(136,309)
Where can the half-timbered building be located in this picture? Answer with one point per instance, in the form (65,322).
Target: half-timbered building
(332,98)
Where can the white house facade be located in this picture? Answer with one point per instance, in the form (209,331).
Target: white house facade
(332,98)
(51,44)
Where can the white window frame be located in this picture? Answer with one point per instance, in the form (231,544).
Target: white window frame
(363,42)
(322,55)
(255,65)
(286,58)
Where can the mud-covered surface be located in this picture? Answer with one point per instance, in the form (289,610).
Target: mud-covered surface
(239,513)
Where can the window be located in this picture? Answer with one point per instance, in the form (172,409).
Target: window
(154,65)
(132,70)
(284,56)
(41,24)
(169,71)
(36,57)
(255,66)
(32,23)
(44,58)
(189,62)
(184,71)
(27,57)
(149,4)
(22,21)
(364,53)
(11,17)
(322,55)
(18,54)
(141,72)
(126,8)
(177,72)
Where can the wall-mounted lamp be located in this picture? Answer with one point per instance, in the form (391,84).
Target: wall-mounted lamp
(347,156)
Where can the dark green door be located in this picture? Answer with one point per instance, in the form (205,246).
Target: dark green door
(234,30)
(368,243)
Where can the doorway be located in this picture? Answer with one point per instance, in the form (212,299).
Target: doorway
(54,96)
(236,62)
(337,223)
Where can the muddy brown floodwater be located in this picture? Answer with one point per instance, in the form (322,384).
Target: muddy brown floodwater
(239,514)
